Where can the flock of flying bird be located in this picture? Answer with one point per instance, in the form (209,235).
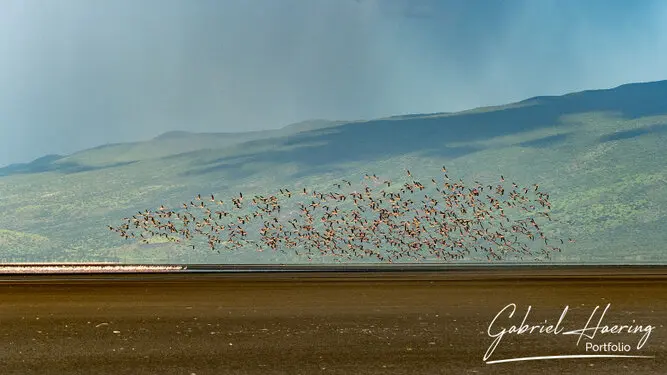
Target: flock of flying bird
(437,220)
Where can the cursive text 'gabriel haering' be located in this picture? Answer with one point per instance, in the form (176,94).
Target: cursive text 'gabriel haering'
(501,325)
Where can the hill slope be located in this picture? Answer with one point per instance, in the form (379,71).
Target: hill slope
(600,154)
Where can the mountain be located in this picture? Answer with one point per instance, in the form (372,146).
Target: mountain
(42,164)
(600,153)
(166,144)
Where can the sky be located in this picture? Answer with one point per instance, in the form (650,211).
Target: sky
(76,74)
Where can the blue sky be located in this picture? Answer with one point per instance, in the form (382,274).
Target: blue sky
(80,73)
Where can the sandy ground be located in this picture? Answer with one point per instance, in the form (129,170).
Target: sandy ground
(325,323)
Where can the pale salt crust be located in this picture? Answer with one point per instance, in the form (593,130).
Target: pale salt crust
(85,268)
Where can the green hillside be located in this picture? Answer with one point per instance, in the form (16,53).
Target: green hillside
(601,155)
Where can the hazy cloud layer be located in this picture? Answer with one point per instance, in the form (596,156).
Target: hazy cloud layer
(80,73)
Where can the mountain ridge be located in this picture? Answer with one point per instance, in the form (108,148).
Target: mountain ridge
(593,102)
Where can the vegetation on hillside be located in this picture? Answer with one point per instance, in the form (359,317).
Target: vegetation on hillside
(600,155)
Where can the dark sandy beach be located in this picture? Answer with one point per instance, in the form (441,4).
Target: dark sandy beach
(426,322)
